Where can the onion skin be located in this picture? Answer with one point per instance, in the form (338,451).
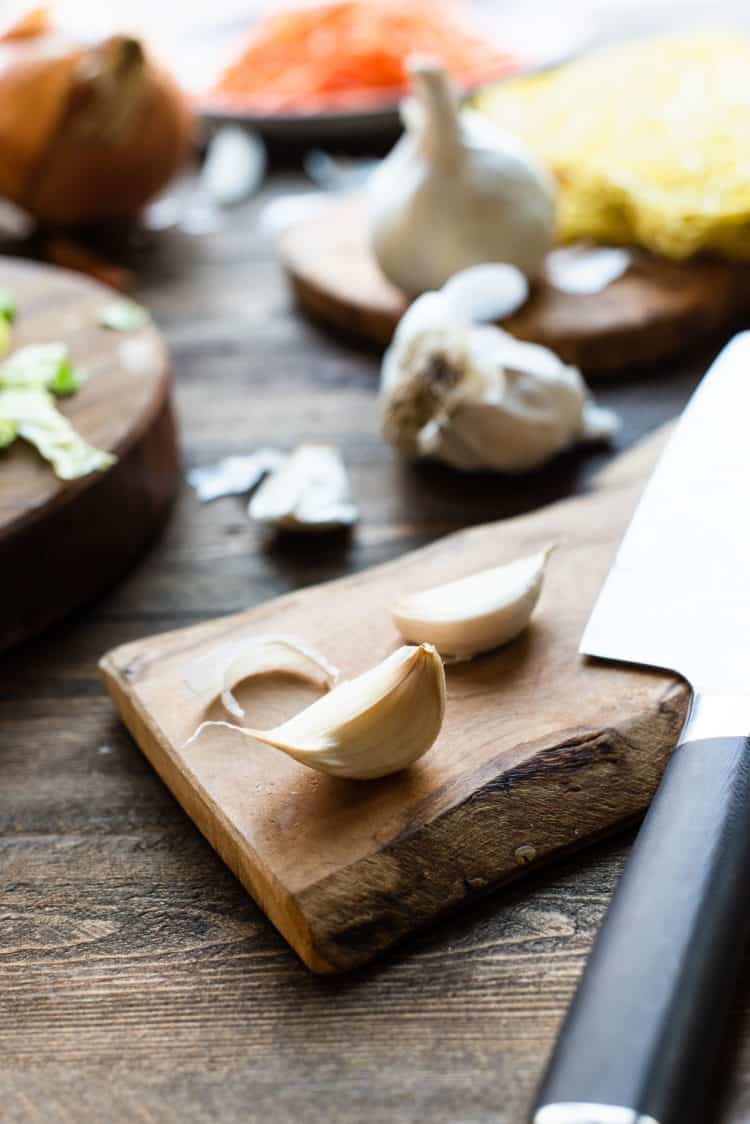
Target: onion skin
(87,134)
(40,86)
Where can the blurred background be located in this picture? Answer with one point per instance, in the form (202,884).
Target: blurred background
(199,37)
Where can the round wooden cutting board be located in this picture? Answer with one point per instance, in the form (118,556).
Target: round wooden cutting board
(62,543)
(656,309)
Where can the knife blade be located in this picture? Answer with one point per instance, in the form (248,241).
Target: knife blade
(639,1038)
(676,597)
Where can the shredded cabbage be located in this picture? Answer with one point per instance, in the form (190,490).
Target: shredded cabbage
(32,414)
(45,365)
(8,432)
(28,379)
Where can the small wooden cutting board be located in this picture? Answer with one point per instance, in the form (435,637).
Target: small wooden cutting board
(541,750)
(62,543)
(657,309)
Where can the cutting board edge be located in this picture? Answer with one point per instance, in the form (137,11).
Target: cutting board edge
(108,491)
(161,403)
(64,543)
(632,343)
(630,348)
(329,939)
(488,859)
(269,894)
(341,915)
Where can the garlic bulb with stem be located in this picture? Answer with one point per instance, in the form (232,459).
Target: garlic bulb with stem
(474,614)
(476,397)
(455,192)
(368,727)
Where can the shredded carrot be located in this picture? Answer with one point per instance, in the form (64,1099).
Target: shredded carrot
(351,55)
(33,23)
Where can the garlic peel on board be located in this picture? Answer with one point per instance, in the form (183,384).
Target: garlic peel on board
(476,613)
(584,268)
(232,476)
(454,192)
(309,492)
(488,292)
(474,396)
(368,727)
(221,669)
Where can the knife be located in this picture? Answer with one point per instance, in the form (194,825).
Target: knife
(639,1039)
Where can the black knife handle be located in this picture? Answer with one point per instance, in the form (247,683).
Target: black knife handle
(641,1033)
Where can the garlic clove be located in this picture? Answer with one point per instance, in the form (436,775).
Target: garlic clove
(487,292)
(309,492)
(477,613)
(371,726)
(221,669)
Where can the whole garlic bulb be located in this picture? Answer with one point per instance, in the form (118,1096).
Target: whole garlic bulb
(475,397)
(454,192)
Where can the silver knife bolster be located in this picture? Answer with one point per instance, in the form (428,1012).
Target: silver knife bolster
(579,1113)
(716,716)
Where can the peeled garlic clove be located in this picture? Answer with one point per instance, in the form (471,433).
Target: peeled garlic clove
(368,727)
(308,492)
(477,613)
(221,669)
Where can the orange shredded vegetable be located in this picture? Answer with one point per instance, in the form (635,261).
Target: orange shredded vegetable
(351,55)
(31,24)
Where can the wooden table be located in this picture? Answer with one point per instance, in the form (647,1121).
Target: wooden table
(138,982)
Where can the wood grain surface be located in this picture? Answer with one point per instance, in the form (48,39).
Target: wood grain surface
(139,983)
(59,542)
(540,749)
(655,310)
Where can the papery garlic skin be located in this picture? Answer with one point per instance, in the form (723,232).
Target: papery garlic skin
(474,614)
(475,397)
(488,292)
(232,476)
(377,724)
(221,669)
(310,491)
(455,192)
(583,268)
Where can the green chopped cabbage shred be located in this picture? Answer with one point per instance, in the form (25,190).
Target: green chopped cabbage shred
(8,432)
(122,316)
(7,305)
(45,365)
(33,413)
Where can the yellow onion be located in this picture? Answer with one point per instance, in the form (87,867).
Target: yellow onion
(87,132)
